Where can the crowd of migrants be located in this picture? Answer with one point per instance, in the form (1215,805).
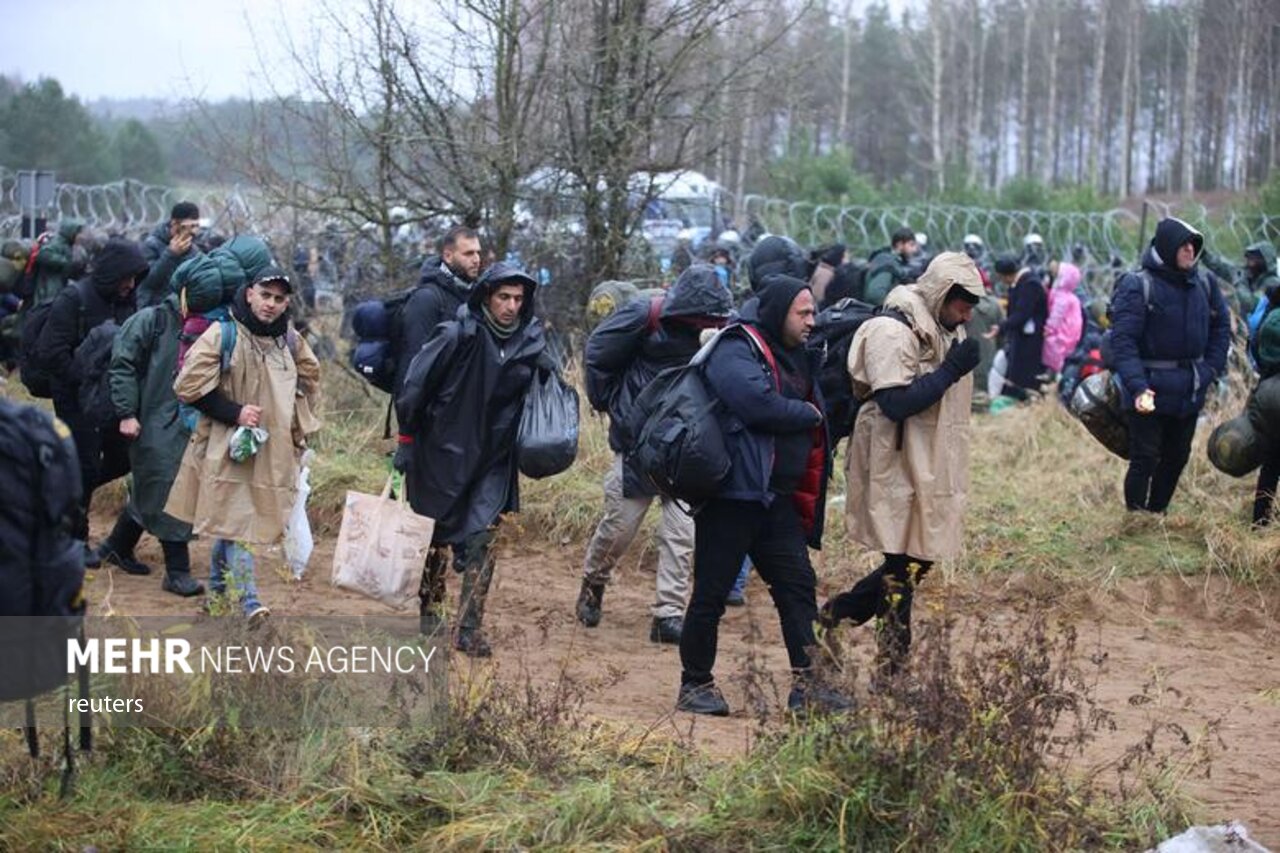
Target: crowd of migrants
(179,363)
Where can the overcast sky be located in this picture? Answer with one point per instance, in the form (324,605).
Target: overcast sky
(172,49)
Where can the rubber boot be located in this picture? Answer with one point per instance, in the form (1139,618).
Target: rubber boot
(431,612)
(117,548)
(477,573)
(590,603)
(177,570)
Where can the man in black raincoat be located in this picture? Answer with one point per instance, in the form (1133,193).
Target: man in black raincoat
(624,354)
(459,414)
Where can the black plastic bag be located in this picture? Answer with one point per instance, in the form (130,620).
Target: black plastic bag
(548,439)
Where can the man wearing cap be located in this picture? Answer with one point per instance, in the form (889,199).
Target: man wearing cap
(167,246)
(271,384)
(459,415)
(908,465)
(1169,340)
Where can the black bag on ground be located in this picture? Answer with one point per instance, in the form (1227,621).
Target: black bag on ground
(547,442)
(91,364)
(376,323)
(1096,404)
(834,328)
(1235,448)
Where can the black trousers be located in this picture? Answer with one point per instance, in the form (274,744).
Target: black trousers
(1265,492)
(1159,446)
(726,531)
(103,455)
(885,594)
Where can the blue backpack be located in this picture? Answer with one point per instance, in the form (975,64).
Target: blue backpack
(376,356)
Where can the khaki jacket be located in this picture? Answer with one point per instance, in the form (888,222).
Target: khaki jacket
(246,501)
(907,486)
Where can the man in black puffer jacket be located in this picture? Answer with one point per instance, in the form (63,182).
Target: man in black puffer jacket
(624,354)
(106,294)
(165,248)
(443,287)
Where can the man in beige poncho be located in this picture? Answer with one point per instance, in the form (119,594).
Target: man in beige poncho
(908,465)
(271,381)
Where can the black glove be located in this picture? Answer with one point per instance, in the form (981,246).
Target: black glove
(963,357)
(404,453)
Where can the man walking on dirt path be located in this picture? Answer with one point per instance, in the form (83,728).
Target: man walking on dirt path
(624,353)
(459,414)
(771,506)
(908,468)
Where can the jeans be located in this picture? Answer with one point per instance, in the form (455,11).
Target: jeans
(728,531)
(740,585)
(234,560)
(1159,446)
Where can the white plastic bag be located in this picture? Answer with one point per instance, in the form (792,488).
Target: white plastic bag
(382,547)
(298,542)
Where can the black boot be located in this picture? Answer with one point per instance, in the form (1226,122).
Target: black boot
(177,570)
(666,629)
(590,603)
(431,611)
(477,573)
(857,605)
(809,694)
(117,548)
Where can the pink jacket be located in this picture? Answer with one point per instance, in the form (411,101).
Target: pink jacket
(1065,325)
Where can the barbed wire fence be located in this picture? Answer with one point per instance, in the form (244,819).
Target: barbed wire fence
(1104,239)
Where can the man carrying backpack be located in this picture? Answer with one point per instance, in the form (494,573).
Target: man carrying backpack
(168,245)
(105,295)
(459,412)
(270,384)
(889,267)
(144,362)
(443,287)
(624,353)
(770,507)
(908,468)
(1169,340)
(52,264)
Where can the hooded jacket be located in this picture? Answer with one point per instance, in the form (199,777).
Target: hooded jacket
(1176,344)
(908,482)
(886,269)
(626,351)
(439,295)
(77,310)
(1065,323)
(460,408)
(1249,287)
(155,248)
(776,255)
(756,413)
(53,262)
(144,361)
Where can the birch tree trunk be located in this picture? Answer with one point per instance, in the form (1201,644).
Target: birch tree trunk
(1095,98)
(973,131)
(1188,141)
(1244,97)
(1048,128)
(1024,97)
(1128,84)
(843,124)
(936,13)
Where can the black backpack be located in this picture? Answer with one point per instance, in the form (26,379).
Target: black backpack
(675,439)
(34,375)
(833,331)
(41,564)
(91,366)
(376,323)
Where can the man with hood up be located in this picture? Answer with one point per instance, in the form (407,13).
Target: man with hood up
(105,295)
(54,263)
(459,414)
(908,466)
(771,505)
(776,255)
(1169,343)
(443,286)
(1253,282)
(624,354)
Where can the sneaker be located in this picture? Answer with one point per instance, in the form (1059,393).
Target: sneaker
(736,599)
(130,564)
(666,629)
(702,699)
(590,604)
(257,615)
(183,585)
(814,698)
(472,643)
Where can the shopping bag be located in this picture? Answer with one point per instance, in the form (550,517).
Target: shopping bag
(298,541)
(548,439)
(382,547)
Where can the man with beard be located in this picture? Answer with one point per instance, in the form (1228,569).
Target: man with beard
(443,287)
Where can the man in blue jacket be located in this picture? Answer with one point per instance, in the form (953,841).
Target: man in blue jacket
(1170,333)
(771,506)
